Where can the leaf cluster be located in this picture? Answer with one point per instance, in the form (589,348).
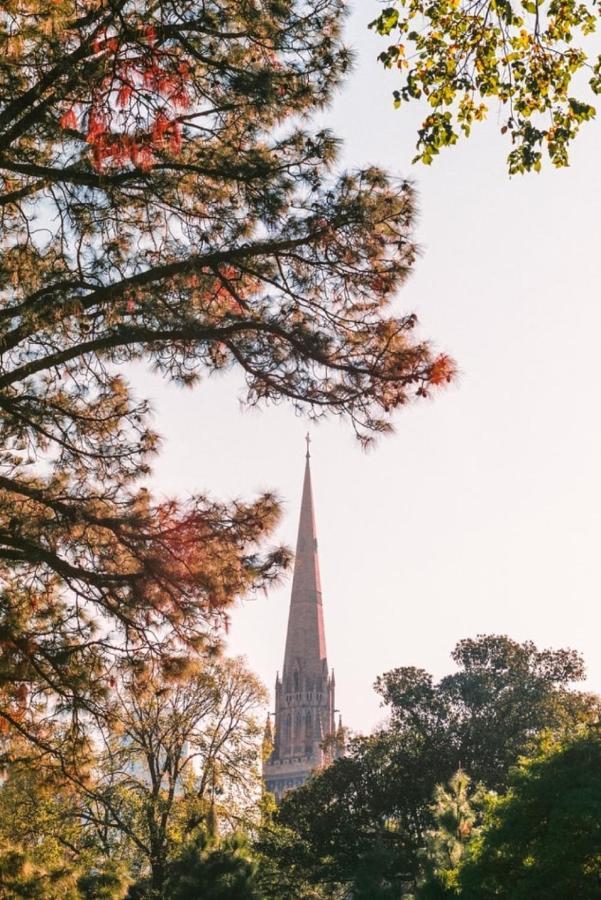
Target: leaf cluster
(529,55)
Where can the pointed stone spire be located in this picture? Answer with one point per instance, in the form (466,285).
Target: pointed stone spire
(305,639)
(304,695)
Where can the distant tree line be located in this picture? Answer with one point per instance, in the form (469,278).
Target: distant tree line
(392,819)
(483,784)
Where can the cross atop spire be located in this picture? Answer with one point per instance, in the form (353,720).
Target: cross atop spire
(308,443)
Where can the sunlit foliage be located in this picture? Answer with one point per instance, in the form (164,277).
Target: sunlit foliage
(463,58)
(542,839)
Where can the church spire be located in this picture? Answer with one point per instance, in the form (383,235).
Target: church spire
(306,639)
(304,695)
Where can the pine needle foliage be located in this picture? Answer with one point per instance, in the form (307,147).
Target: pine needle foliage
(163,200)
(455,812)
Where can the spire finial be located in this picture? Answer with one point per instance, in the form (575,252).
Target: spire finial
(308,442)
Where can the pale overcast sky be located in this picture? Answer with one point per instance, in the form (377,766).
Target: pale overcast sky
(483,512)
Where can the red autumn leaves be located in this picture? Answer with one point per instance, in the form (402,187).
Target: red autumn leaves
(439,373)
(134,110)
(442,370)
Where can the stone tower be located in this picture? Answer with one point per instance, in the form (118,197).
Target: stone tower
(304,695)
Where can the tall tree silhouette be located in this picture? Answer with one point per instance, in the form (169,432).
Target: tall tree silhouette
(162,201)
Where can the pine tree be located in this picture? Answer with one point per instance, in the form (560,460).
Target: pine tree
(455,816)
(214,870)
(162,201)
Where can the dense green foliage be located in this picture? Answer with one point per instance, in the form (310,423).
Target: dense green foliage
(458,56)
(542,839)
(368,815)
(225,871)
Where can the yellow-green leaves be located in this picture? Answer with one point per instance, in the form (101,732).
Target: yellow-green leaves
(523,54)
